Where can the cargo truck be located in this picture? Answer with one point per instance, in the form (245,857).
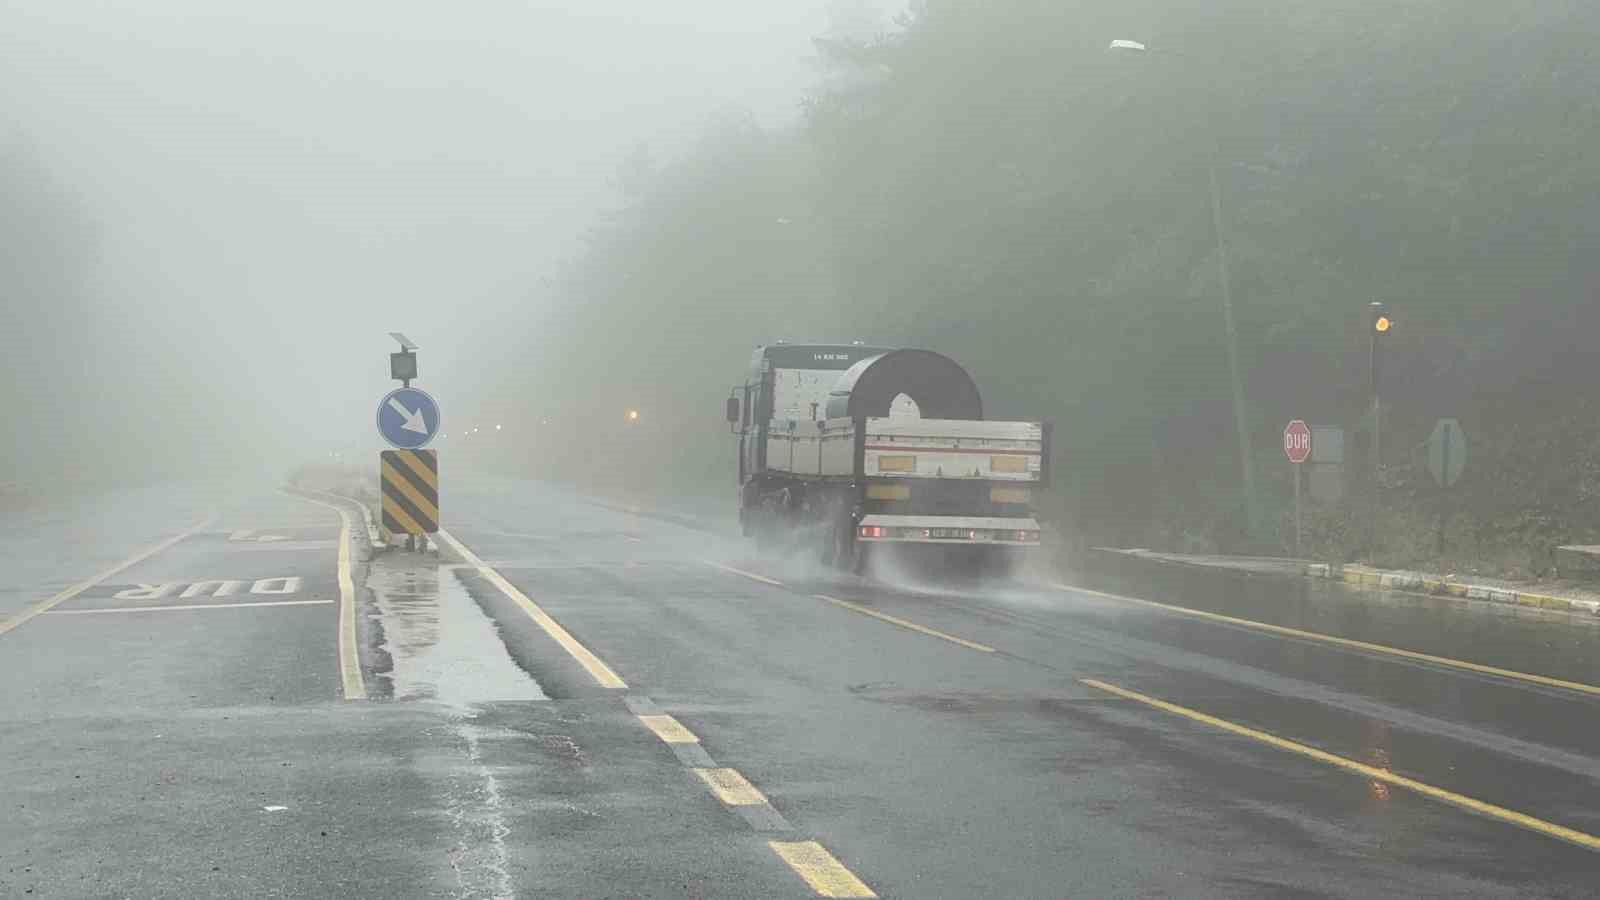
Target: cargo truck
(853,451)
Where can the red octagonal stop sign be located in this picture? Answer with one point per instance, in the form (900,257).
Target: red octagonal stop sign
(1297,441)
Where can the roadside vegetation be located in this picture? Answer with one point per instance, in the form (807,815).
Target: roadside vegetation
(988,180)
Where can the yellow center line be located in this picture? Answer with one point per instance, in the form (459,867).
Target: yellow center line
(668,729)
(1347,642)
(750,575)
(592,664)
(349,649)
(731,787)
(826,875)
(43,606)
(1510,816)
(895,620)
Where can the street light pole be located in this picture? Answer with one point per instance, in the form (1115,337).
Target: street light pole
(1241,429)
(1236,377)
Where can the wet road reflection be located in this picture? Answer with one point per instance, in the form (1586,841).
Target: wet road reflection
(440,644)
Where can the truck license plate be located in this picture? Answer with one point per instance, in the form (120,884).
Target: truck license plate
(948,533)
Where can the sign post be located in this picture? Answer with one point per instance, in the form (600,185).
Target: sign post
(1297,447)
(408,419)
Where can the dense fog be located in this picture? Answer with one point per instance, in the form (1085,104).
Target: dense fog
(213,212)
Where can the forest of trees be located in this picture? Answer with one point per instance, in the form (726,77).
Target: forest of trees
(986,179)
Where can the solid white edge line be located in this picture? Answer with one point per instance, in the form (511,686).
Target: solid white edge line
(23,617)
(594,665)
(740,572)
(135,609)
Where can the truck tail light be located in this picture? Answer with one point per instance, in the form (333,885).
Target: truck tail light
(873,531)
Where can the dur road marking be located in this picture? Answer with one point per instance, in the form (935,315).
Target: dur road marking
(49,604)
(1500,813)
(289,584)
(1348,642)
(895,620)
(592,664)
(826,875)
(349,651)
(172,606)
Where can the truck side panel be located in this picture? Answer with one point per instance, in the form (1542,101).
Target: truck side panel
(812,449)
(955,448)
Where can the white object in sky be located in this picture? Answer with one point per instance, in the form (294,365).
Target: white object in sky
(1127,45)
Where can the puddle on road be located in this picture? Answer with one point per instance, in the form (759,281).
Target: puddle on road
(442,646)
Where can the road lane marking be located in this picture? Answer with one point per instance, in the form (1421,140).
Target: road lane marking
(731,787)
(349,649)
(866,611)
(592,664)
(137,609)
(249,534)
(753,807)
(1347,642)
(826,875)
(287,584)
(895,620)
(750,575)
(1510,816)
(43,606)
(668,729)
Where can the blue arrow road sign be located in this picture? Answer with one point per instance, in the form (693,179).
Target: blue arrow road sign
(408,418)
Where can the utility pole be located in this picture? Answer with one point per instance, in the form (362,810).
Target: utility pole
(1241,428)
(1381,324)
(1219,232)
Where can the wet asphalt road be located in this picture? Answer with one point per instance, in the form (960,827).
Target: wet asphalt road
(933,740)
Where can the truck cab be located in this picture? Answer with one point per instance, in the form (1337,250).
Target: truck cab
(788,384)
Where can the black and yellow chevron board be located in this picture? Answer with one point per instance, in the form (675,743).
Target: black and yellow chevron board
(410,491)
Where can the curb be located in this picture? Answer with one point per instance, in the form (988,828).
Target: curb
(373,537)
(1362,576)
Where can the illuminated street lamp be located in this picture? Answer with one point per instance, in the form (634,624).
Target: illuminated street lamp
(633,415)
